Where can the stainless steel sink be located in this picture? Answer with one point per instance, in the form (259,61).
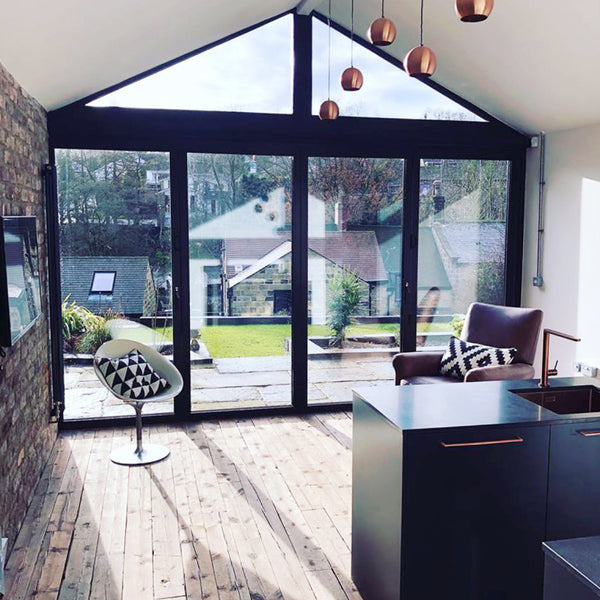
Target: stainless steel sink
(564,401)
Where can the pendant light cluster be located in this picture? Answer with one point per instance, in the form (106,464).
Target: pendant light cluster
(419,62)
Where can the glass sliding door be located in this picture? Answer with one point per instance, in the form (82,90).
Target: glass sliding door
(115,256)
(355,211)
(462,243)
(240,247)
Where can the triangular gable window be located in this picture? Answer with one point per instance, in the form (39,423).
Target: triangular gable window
(387,91)
(249,73)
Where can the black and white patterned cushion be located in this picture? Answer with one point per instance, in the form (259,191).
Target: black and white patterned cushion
(131,376)
(460,357)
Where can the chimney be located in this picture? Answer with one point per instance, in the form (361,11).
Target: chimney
(340,216)
(439,202)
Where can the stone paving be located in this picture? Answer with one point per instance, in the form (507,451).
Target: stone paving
(237,383)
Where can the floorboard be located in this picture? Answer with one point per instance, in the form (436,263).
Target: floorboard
(240,510)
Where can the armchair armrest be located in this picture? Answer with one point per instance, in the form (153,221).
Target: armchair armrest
(501,373)
(408,364)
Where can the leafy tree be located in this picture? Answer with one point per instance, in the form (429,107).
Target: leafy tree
(344,297)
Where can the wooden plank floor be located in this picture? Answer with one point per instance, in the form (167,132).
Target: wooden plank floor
(241,510)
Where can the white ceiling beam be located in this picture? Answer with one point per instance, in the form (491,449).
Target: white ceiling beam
(305,7)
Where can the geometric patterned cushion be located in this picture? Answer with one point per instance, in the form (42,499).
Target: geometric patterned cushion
(131,376)
(460,357)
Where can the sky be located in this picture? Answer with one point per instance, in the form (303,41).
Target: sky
(254,73)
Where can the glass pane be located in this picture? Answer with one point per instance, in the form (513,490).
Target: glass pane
(115,258)
(462,243)
(240,280)
(387,91)
(354,273)
(103,282)
(229,77)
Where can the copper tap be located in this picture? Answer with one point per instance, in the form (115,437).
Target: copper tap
(546,372)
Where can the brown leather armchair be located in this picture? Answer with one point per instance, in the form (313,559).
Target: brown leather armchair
(498,326)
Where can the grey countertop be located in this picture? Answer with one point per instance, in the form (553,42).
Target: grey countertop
(445,405)
(580,556)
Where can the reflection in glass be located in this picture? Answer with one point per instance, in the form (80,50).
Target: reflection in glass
(22,293)
(240,280)
(354,273)
(462,243)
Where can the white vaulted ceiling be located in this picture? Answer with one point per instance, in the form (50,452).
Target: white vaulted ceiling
(532,63)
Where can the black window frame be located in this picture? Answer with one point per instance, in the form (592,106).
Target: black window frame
(299,135)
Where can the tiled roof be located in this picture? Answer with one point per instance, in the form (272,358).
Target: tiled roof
(473,242)
(130,282)
(354,250)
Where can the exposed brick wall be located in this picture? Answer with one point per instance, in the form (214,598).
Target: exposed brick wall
(26,436)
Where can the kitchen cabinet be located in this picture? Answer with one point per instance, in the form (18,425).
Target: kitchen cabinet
(454,513)
(574,481)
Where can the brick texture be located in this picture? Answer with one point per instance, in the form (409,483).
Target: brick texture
(26,435)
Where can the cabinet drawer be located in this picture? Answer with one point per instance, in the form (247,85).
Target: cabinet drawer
(474,504)
(574,481)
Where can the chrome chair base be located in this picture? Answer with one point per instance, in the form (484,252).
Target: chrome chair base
(150,453)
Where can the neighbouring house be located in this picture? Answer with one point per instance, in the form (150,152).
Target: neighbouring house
(122,284)
(259,279)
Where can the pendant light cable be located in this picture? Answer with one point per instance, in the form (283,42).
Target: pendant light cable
(329,53)
(382,1)
(352,34)
(422,2)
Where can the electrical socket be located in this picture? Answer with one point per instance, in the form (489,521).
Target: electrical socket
(588,370)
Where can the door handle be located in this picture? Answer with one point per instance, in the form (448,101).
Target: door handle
(589,432)
(516,440)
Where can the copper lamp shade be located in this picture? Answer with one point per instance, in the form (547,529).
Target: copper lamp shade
(352,79)
(420,62)
(381,32)
(329,111)
(473,11)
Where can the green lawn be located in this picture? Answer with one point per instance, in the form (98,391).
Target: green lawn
(233,341)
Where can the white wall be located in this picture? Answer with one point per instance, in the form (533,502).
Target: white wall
(570,296)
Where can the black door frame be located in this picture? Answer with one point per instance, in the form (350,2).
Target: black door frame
(300,135)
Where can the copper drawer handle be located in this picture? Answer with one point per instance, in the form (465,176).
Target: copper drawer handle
(516,440)
(589,432)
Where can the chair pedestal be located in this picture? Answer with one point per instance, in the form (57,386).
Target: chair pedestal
(140,455)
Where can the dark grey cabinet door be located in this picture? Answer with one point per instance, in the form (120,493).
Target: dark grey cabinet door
(574,481)
(473,513)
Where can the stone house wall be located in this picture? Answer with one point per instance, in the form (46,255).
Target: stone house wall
(255,295)
(26,434)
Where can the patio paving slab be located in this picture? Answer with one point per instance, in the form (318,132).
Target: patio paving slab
(253,364)
(203,378)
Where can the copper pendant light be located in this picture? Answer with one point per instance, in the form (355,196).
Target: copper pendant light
(420,62)
(473,11)
(352,78)
(329,110)
(381,32)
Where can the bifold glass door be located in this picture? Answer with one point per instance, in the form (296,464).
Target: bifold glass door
(240,257)
(461,243)
(116,268)
(114,227)
(355,212)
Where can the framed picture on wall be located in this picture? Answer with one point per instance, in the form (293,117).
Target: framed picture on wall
(20,300)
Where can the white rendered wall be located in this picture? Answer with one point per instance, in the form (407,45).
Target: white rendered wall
(570,296)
